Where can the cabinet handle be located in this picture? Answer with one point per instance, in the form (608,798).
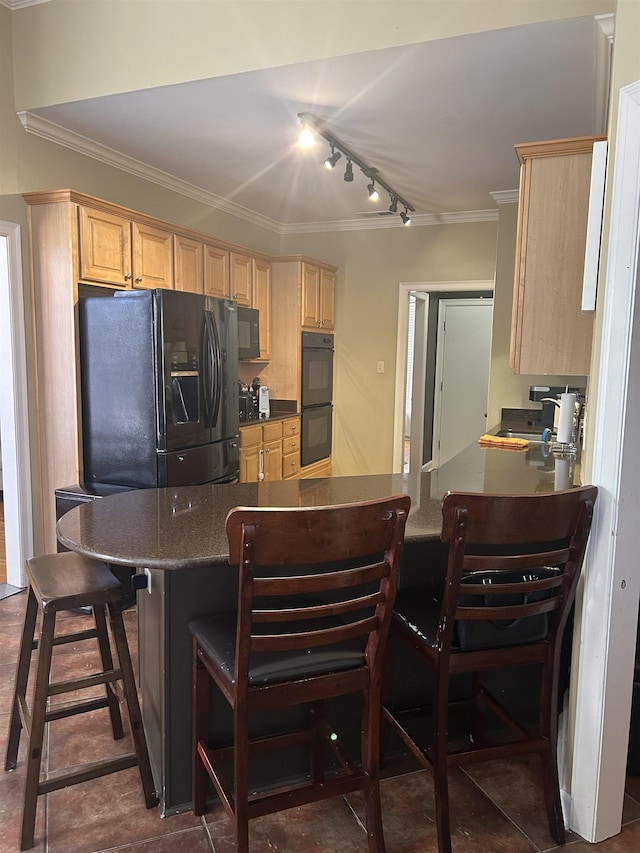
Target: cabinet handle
(138,279)
(127,277)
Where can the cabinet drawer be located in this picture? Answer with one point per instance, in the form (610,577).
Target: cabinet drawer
(251,436)
(291,444)
(291,427)
(272,432)
(290,465)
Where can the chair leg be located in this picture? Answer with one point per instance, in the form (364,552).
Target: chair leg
(107,664)
(22,678)
(440,769)
(370,749)
(549,758)
(241,775)
(316,718)
(200,718)
(133,706)
(36,734)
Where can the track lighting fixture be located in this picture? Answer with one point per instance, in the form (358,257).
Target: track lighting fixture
(331,161)
(310,123)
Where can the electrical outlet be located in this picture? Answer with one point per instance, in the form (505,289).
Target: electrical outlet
(380,367)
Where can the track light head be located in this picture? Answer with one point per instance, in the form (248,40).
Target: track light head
(404,215)
(393,207)
(331,161)
(373,192)
(348,172)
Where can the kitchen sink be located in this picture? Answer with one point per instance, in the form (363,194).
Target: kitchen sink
(533,437)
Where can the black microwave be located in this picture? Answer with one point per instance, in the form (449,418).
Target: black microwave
(248,332)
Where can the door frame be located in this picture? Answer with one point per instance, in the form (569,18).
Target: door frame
(14,415)
(404,289)
(607,610)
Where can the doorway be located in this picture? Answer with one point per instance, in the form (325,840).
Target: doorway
(463,354)
(415,365)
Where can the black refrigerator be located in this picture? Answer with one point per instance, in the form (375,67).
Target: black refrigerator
(159,388)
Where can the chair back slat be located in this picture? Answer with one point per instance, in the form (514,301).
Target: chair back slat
(300,584)
(313,639)
(296,536)
(314,577)
(294,614)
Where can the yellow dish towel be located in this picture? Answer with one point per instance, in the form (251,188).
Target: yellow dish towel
(503,442)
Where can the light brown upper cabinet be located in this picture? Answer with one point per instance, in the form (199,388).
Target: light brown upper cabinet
(105,247)
(318,295)
(261,299)
(189,264)
(152,257)
(216,272)
(549,332)
(241,270)
(114,250)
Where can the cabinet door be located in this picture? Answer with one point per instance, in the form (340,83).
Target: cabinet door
(272,460)
(262,301)
(152,257)
(327,299)
(241,269)
(105,247)
(188,274)
(310,301)
(216,272)
(249,464)
(550,334)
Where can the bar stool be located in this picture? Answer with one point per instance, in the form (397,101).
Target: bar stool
(58,582)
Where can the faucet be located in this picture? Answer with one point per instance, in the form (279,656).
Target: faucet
(547,416)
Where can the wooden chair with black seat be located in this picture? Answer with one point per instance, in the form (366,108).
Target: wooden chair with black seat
(512,571)
(316,592)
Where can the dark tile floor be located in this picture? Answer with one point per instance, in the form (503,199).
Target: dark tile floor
(496,807)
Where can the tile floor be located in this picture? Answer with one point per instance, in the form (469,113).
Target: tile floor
(496,807)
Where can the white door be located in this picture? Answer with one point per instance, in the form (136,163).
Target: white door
(462,375)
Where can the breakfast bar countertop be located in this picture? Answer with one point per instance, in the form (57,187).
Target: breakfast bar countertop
(182,528)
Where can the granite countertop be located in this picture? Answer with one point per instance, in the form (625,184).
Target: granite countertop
(181,528)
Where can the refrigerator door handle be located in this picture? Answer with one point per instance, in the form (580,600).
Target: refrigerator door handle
(214,365)
(206,371)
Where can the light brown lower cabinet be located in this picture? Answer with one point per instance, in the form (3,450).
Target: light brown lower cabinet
(270,451)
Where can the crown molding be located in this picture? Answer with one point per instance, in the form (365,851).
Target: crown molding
(21,4)
(417,220)
(76,142)
(52,132)
(505,196)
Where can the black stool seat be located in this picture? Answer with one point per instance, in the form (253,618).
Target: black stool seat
(58,582)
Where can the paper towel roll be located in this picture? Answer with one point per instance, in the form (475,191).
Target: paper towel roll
(565,421)
(562,473)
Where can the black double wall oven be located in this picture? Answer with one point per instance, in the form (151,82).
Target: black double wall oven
(317,395)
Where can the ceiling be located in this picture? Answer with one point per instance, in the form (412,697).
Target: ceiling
(438,120)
